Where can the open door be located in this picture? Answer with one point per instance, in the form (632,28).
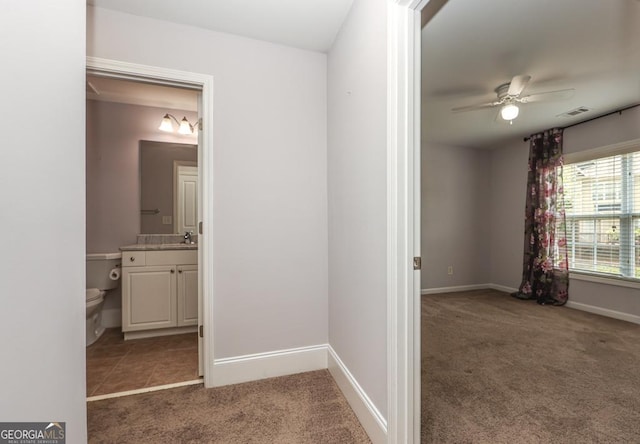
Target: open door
(200,194)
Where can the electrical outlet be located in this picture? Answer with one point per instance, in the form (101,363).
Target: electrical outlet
(450,270)
(166,220)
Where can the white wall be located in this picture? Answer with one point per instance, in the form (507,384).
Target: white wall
(506,212)
(42,306)
(270,195)
(455,215)
(357,197)
(114,132)
(601,132)
(509,171)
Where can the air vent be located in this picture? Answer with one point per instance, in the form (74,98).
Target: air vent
(575,112)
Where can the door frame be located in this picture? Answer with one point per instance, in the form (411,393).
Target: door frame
(203,83)
(403,219)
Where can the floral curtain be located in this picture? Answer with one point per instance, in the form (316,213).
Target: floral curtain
(545,271)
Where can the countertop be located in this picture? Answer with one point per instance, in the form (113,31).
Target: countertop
(159,247)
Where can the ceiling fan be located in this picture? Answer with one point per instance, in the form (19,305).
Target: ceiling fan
(509,96)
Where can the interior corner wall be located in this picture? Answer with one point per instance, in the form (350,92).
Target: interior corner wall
(357,168)
(455,216)
(114,132)
(509,177)
(42,303)
(269,174)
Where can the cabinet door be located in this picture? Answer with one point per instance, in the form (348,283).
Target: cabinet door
(148,297)
(187,295)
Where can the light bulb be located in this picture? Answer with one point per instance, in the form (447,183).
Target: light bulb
(509,111)
(166,125)
(185,127)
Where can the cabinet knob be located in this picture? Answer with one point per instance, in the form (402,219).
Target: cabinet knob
(132,259)
(173,271)
(179,271)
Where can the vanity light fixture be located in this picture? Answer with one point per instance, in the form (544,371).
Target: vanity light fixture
(184,127)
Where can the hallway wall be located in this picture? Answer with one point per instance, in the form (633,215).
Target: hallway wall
(269,185)
(42,293)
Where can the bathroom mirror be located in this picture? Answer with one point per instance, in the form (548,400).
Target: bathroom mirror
(168,187)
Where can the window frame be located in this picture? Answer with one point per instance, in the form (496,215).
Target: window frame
(622,148)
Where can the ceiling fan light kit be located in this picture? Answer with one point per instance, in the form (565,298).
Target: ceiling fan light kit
(509,112)
(509,96)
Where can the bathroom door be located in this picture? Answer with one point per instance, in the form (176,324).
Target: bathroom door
(187,199)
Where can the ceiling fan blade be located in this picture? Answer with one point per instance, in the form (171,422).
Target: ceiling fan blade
(518,84)
(461,109)
(560,94)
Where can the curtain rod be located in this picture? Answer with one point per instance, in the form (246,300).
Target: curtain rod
(618,111)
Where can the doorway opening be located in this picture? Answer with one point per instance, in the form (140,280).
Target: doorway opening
(159,319)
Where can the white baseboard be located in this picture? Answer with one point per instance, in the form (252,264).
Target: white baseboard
(369,416)
(247,368)
(454,289)
(268,365)
(497,287)
(112,317)
(604,312)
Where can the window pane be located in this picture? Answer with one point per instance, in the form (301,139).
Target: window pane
(594,245)
(602,202)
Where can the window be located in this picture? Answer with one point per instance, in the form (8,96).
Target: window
(602,202)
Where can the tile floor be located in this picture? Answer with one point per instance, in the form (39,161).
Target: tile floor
(115,365)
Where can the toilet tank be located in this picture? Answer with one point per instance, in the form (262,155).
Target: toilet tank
(98,267)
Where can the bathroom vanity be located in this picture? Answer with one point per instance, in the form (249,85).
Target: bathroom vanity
(159,289)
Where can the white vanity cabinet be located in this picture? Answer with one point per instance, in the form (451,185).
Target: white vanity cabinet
(159,291)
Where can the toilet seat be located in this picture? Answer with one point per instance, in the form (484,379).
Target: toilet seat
(93,294)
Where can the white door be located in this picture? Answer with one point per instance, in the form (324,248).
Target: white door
(201,250)
(187,199)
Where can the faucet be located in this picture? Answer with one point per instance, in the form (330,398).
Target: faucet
(187,237)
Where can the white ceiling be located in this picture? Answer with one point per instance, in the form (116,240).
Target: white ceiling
(306,24)
(470,47)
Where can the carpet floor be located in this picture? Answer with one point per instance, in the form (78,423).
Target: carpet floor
(500,370)
(297,409)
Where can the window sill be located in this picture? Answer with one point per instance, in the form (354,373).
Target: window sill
(603,279)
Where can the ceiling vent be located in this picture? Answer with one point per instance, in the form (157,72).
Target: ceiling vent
(575,112)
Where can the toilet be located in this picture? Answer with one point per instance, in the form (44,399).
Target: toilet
(103,275)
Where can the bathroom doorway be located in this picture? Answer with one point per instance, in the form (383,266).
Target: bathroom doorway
(124,112)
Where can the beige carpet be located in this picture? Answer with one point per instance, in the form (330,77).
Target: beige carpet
(500,370)
(297,409)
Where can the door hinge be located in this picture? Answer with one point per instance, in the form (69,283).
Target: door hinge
(200,124)
(201,331)
(417,263)
(200,227)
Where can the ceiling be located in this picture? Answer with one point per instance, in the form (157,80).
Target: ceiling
(106,89)
(306,24)
(470,47)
